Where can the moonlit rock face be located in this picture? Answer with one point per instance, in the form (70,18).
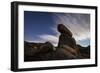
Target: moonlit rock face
(65,30)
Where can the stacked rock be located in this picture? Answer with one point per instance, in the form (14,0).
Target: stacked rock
(66,37)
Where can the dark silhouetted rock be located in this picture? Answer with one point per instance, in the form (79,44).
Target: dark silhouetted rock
(66,37)
(46,47)
(84,51)
(30,50)
(62,29)
(66,40)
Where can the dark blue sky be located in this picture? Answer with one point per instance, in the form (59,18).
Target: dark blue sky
(37,23)
(42,26)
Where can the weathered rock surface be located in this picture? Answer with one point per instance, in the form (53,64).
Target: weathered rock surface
(64,39)
(62,29)
(46,47)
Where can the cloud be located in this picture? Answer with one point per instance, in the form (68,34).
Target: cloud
(46,37)
(79,24)
(51,38)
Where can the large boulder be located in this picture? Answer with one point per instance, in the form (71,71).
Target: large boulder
(64,39)
(62,29)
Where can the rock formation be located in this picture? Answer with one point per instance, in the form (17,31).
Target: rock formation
(62,29)
(66,37)
(46,47)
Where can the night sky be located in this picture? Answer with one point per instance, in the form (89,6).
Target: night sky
(40,27)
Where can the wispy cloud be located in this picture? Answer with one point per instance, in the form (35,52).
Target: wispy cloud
(51,38)
(79,24)
(46,37)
